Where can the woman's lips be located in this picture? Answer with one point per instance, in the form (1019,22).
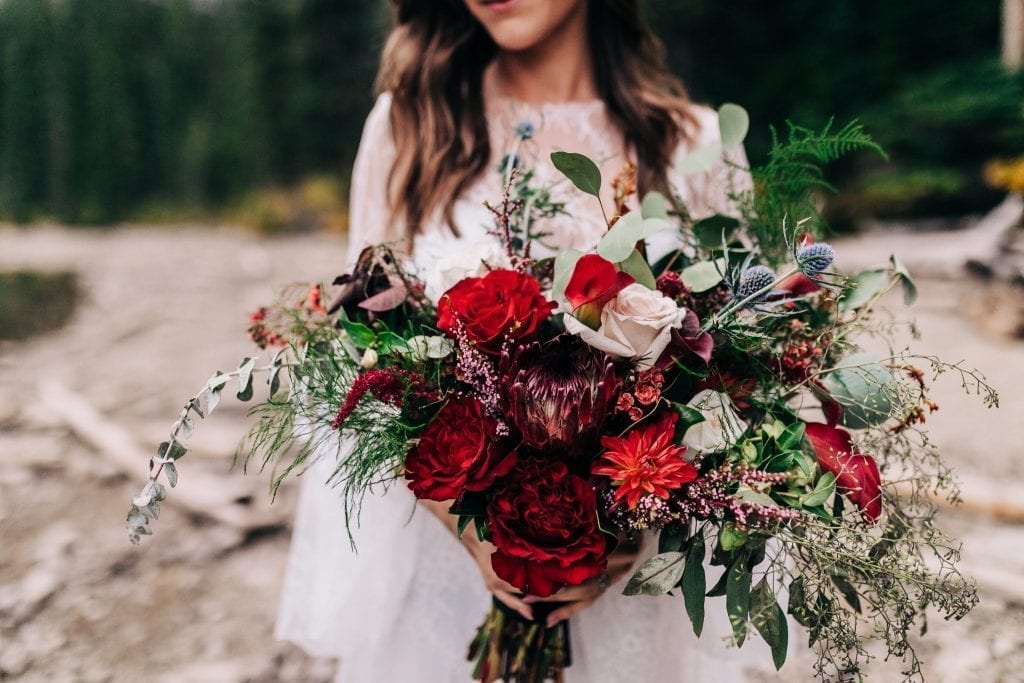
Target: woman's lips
(500,5)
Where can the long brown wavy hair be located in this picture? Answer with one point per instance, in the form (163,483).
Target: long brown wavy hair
(433,66)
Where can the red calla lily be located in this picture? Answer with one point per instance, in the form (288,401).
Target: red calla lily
(856,474)
(595,281)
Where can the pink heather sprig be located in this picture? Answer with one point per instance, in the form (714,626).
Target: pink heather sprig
(711,497)
(478,371)
(386,384)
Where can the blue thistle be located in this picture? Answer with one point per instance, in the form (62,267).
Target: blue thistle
(753,280)
(524,130)
(814,258)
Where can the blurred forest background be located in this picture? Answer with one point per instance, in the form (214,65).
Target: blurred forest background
(144,111)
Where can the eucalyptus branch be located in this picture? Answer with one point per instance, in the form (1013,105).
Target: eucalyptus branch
(146,505)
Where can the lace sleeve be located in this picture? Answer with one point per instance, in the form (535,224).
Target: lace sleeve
(369,209)
(713,191)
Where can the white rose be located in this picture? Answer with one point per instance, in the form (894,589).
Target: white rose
(721,428)
(472,261)
(637,323)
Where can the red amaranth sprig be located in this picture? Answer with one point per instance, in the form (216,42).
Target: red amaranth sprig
(390,385)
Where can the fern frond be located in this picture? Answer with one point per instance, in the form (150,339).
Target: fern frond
(784,186)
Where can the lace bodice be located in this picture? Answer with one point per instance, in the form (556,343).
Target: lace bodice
(583,126)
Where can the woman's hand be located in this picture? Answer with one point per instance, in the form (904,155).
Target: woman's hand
(578,598)
(481,553)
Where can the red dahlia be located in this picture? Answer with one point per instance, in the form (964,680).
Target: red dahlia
(543,522)
(645,462)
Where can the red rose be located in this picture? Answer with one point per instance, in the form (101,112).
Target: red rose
(503,303)
(856,474)
(594,282)
(544,524)
(457,453)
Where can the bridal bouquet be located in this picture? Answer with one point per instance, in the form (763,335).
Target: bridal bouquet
(716,396)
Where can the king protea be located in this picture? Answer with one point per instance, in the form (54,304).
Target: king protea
(559,394)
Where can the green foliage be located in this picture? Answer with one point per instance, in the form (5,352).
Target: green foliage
(109,107)
(784,186)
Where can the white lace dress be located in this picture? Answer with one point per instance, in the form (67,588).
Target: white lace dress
(406,604)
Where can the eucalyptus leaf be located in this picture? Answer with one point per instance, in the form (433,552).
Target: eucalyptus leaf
(703,276)
(618,243)
(654,205)
(863,287)
(187,427)
(245,379)
(172,450)
(657,575)
(578,168)
(274,380)
(172,474)
(694,584)
(425,347)
(909,288)
(733,124)
(210,398)
(217,382)
(636,265)
(195,404)
(565,263)
(137,520)
(865,389)
(701,160)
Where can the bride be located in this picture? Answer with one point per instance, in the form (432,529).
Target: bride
(458,79)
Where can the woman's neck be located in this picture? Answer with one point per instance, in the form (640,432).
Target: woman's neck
(558,69)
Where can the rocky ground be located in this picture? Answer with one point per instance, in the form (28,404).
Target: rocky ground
(162,307)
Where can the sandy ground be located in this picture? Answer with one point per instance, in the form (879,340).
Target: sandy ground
(165,306)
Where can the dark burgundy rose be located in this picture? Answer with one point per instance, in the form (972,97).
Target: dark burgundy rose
(559,394)
(502,303)
(543,522)
(457,452)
